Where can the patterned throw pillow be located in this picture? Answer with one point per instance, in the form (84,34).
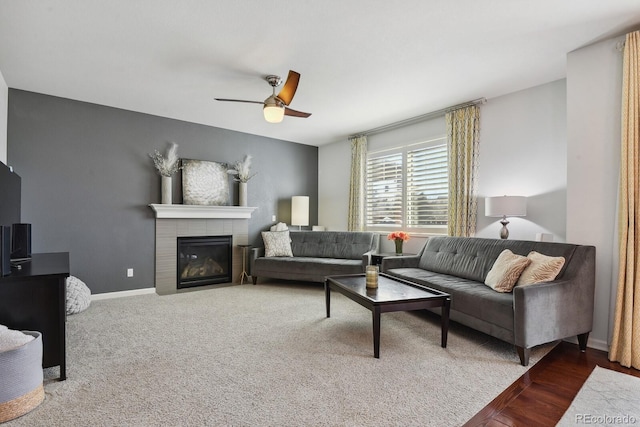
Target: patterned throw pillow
(542,268)
(505,271)
(277,243)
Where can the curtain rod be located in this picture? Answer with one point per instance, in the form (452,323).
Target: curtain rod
(418,119)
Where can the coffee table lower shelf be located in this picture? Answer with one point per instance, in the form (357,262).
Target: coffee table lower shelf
(392,294)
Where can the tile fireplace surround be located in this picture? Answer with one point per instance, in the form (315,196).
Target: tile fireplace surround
(173,221)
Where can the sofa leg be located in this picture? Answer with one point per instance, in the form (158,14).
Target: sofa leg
(523,353)
(255,279)
(582,341)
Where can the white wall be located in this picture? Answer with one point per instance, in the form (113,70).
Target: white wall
(334,163)
(417,132)
(523,153)
(594,87)
(4,109)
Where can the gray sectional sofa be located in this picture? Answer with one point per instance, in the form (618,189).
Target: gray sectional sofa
(528,316)
(317,254)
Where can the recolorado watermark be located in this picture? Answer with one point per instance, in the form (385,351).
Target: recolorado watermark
(592,419)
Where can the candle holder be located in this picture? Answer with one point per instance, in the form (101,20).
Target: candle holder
(372,276)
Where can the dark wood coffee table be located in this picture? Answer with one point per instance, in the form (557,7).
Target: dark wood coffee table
(392,294)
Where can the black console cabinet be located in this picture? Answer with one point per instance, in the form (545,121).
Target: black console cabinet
(33,297)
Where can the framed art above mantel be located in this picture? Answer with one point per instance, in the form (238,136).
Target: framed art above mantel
(205,183)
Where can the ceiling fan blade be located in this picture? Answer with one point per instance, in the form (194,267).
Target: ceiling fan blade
(294,113)
(289,88)
(239,100)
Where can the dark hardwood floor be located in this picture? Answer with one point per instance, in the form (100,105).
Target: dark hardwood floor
(542,395)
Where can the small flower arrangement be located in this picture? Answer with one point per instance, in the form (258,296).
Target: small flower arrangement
(169,164)
(242,169)
(398,235)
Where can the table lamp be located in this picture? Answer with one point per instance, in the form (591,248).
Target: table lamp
(300,211)
(505,206)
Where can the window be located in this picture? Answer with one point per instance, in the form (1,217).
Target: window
(407,187)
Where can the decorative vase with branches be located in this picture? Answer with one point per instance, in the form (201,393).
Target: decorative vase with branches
(242,171)
(166,165)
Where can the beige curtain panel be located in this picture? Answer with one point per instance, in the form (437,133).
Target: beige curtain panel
(463,131)
(356,213)
(625,345)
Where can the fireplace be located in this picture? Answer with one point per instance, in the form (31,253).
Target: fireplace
(204,261)
(178,221)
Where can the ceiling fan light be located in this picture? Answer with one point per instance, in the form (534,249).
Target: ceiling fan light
(273,113)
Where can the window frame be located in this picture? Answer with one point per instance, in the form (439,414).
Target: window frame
(404,151)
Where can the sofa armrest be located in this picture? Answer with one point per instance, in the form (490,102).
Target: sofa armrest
(253,255)
(366,258)
(559,309)
(550,311)
(406,261)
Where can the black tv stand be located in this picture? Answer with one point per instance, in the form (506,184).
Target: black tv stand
(33,298)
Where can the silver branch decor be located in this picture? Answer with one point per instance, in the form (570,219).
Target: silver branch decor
(168,164)
(242,169)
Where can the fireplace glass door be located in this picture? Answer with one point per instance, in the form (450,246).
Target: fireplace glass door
(204,261)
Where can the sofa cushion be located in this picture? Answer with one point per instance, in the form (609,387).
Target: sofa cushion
(473,257)
(467,296)
(305,268)
(277,243)
(332,244)
(541,269)
(505,271)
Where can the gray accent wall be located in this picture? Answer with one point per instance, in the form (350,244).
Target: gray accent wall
(4,102)
(87,181)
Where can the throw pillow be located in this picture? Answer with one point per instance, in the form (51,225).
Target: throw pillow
(281,226)
(277,243)
(505,271)
(542,268)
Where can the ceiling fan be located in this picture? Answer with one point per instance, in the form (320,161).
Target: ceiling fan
(276,107)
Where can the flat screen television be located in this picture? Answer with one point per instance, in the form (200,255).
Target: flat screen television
(10,196)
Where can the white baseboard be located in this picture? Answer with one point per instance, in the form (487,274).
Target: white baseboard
(597,344)
(121,294)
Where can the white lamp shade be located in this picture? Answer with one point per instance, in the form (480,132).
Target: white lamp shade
(273,113)
(300,210)
(505,206)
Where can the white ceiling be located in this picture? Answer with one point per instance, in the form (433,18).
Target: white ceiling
(364,63)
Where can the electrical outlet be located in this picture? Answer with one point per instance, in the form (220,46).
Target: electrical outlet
(273,218)
(129,272)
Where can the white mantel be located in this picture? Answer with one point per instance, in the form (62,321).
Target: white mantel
(201,211)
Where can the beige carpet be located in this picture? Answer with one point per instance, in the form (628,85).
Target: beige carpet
(266,355)
(607,398)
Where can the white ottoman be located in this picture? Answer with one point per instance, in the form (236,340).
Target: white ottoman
(21,373)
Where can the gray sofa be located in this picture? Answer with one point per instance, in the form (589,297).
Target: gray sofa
(530,315)
(317,254)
